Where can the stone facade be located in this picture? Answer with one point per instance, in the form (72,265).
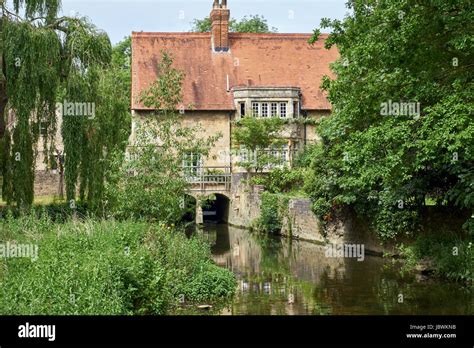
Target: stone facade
(245,202)
(46,183)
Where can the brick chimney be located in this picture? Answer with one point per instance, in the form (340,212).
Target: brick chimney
(220,16)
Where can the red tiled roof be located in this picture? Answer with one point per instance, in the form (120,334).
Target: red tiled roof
(262,59)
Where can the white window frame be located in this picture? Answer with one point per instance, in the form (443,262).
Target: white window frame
(264,109)
(283,106)
(256,113)
(274,109)
(192,164)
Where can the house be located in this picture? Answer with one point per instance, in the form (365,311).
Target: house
(233,75)
(229,76)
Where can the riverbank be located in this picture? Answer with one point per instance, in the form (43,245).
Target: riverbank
(441,249)
(93,267)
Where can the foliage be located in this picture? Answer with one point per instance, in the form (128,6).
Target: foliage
(452,257)
(273,210)
(385,166)
(150,183)
(252,24)
(95,143)
(281,180)
(256,137)
(121,61)
(106,268)
(46,59)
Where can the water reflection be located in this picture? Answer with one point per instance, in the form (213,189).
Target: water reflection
(281,277)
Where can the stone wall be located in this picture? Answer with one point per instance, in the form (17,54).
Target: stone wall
(46,183)
(312,136)
(301,223)
(210,124)
(245,202)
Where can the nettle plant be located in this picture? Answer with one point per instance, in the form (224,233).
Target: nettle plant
(151,183)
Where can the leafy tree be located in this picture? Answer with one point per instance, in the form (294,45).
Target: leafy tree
(121,60)
(251,24)
(386,166)
(255,138)
(151,184)
(43,57)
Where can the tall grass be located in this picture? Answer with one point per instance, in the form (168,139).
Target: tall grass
(106,268)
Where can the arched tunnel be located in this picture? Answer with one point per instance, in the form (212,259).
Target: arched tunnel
(216,209)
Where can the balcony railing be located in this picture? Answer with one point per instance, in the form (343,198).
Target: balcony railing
(208,178)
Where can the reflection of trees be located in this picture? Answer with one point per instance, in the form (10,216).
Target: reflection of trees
(269,270)
(274,289)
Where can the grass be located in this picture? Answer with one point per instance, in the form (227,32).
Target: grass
(39,201)
(106,268)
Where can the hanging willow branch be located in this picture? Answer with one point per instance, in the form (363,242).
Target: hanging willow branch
(44,58)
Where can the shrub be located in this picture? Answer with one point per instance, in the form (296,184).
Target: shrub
(281,180)
(272,212)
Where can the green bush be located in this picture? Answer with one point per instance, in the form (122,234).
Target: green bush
(272,212)
(106,268)
(281,180)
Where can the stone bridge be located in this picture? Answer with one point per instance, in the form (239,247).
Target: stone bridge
(211,182)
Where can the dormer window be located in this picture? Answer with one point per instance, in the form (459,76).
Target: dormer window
(296,109)
(268,102)
(270,109)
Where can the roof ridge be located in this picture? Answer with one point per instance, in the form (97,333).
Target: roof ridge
(207,34)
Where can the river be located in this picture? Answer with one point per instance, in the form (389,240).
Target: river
(277,276)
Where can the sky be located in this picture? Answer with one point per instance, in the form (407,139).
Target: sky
(120,17)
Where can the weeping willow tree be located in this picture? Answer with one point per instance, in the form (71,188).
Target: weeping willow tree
(46,59)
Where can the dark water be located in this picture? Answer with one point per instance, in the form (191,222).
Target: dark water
(281,277)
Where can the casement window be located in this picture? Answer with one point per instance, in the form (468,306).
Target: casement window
(280,154)
(283,110)
(256,109)
(296,109)
(270,109)
(192,164)
(242,109)
(264,110)
(243,154)
(274,110)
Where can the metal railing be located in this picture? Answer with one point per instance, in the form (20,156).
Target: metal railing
(209,178)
